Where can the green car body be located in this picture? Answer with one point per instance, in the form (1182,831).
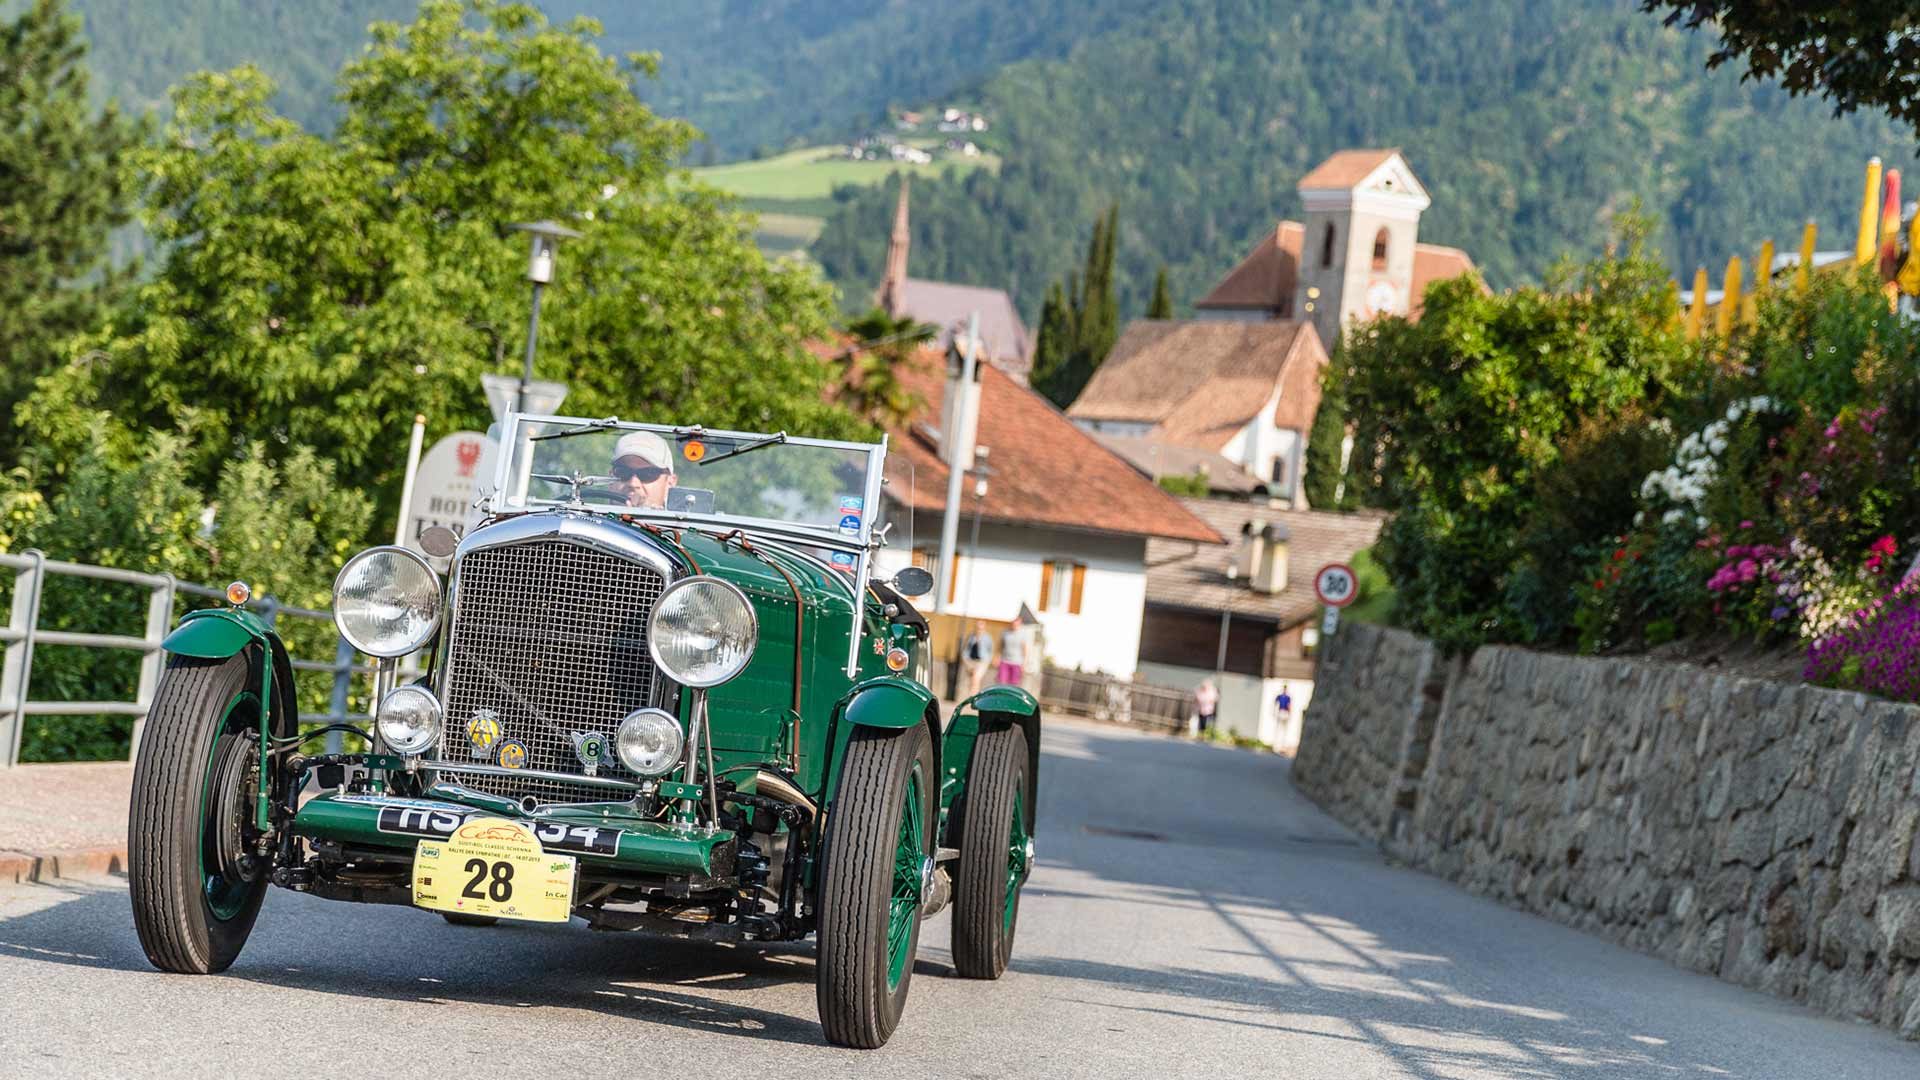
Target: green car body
(732,844)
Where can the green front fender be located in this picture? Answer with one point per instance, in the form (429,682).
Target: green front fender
(217,633)
(887,702)
(994,707)
(220,633)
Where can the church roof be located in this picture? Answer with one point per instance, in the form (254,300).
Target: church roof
(1196,382)
(946,305)
(1346,169)
(1264,280)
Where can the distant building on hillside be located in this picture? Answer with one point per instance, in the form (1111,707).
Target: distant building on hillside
(1356,256)
(1004,338)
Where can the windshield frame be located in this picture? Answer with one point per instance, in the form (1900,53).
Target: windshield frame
(862,545)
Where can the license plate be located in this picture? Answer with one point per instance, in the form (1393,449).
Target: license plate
(493,867)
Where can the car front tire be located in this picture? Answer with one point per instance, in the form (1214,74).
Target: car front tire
(194,891)
(994,855)
(874,884)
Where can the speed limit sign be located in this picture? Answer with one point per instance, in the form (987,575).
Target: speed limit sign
(1336,585)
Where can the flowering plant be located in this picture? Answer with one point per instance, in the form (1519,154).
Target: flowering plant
(1876,649)
(1681,489)
(1833,489)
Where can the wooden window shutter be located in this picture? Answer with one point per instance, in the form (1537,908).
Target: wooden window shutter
(1046,583)
(953,577)
(1079,587)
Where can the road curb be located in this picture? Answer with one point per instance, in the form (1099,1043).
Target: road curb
(25,868)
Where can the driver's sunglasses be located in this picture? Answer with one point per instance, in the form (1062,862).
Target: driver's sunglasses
(646,474)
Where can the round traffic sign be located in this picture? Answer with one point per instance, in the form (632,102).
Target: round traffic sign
(1336,585)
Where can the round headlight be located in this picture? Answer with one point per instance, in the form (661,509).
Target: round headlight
(702,632)
(409,720)
(649,742)
(386,601)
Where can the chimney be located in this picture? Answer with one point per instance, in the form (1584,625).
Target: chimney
(1247,558)
(957,438)
(891,295)
(1268,570)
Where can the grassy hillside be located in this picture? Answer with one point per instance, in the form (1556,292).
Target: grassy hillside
(793,192)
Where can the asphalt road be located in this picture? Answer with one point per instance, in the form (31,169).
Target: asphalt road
(1191,915)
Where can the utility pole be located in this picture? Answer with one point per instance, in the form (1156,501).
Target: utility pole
(956,468)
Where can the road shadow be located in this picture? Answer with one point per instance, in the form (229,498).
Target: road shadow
(324,947)
(1323,936)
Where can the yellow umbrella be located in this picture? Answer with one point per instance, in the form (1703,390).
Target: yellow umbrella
(1801,273)
(1909,278)
(1697,311)
(1865,244)
(1729,299)
(1763,267)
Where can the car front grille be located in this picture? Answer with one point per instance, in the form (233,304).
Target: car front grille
(549,638)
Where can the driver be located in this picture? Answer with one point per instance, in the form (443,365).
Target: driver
(643,469)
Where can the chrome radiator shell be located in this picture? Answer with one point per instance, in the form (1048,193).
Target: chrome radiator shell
(546,634)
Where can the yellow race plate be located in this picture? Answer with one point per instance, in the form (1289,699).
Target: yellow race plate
(493,867)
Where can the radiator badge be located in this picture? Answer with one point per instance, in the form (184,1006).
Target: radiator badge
(483,733)
(513,754)
(591,748)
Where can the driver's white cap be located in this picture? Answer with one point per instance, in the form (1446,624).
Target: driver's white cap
(646,446)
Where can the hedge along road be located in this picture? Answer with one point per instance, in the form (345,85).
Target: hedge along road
(1191,915)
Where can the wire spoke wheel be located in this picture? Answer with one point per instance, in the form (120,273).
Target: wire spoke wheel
(873,884)
(996,854)
(193,879)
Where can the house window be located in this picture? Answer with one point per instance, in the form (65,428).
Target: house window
(1062,585)
(1326,246)
(1380,250)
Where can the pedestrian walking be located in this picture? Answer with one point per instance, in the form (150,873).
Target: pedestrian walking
(975,653)
(1013,650)
(1283,705)
(1206,702)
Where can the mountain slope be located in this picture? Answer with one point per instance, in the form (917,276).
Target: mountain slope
(1532,122)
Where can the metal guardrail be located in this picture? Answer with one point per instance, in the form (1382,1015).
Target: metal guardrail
(22,635)
(1106,697)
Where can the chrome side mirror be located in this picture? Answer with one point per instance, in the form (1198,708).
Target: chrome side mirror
(912,581)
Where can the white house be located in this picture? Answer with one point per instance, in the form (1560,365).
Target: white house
(1062,530)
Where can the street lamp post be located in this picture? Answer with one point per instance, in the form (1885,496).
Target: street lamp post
(979,472)
(546,243)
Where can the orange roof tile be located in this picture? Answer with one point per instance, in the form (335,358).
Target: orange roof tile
(1265,278)
(1046,470)
(1345,169)
(1197,382)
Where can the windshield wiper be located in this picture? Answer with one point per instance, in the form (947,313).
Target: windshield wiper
(771,440)
(579,429)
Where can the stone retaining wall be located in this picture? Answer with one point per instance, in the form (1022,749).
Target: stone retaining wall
(1758,831)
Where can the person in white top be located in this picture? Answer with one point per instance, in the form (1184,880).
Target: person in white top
(1206,702)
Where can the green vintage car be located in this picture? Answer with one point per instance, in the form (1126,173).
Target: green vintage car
(662,687)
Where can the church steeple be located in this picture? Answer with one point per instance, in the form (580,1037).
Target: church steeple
(891,295)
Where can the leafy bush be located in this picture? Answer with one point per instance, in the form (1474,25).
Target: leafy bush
(285,530)
(1463,416)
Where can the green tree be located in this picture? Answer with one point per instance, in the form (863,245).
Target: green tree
(1161,306)
(63,187)
(1850,53)
(284,529)
(320,290)
(1463,414)
(1079,322)
(881,346)
(1327,485)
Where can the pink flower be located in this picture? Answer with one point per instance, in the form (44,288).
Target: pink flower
(1833,430)
(1746,524)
